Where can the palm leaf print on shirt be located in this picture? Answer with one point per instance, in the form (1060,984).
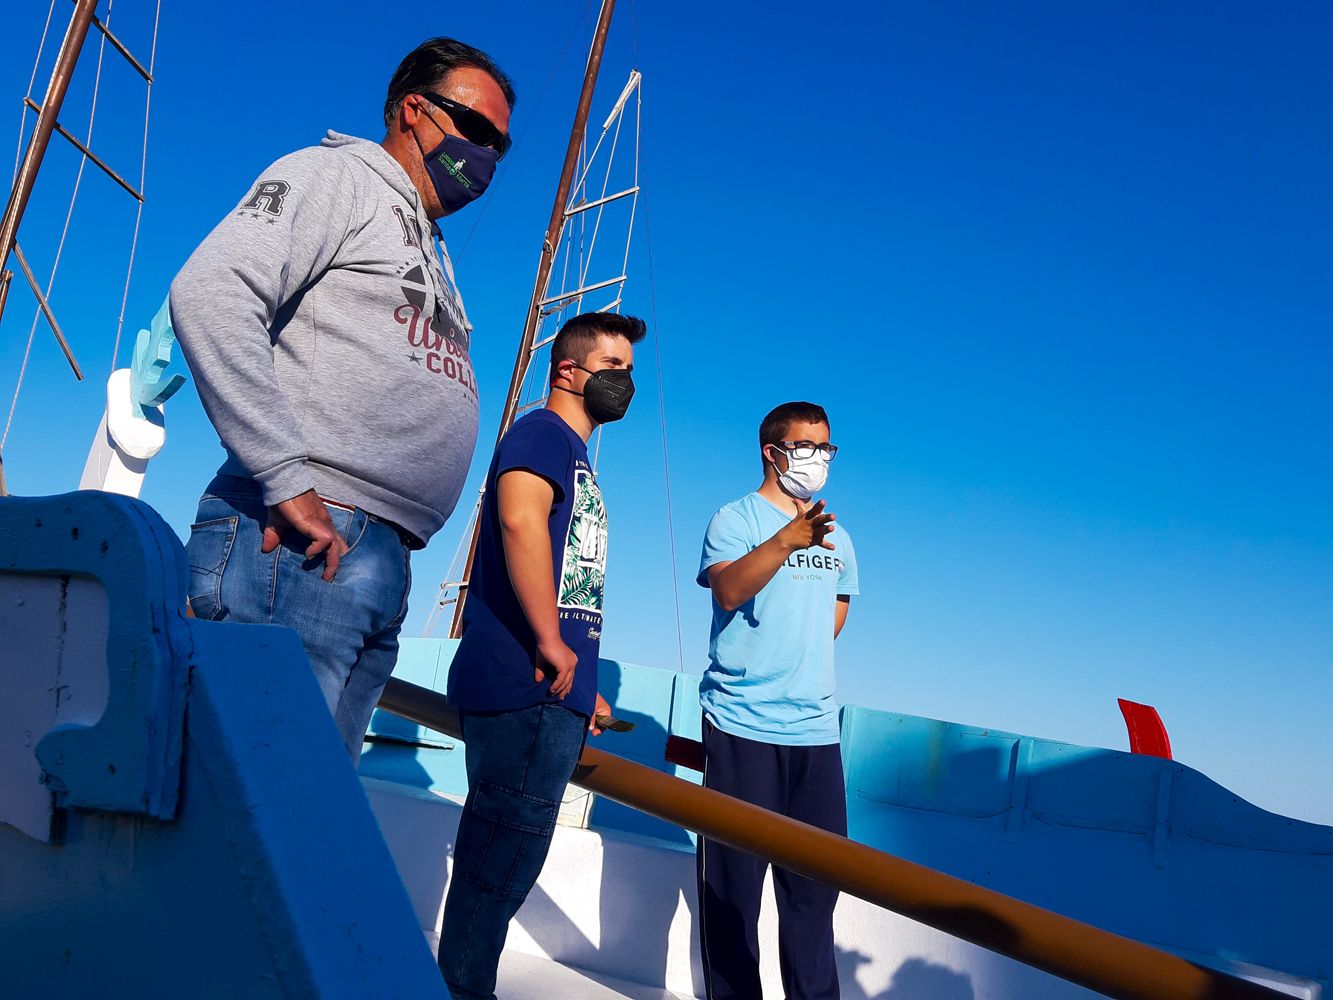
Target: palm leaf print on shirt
(583,574)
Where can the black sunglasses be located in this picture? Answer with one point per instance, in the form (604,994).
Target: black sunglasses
(475,126)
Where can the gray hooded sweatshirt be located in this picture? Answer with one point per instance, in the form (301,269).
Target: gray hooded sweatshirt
(329,346)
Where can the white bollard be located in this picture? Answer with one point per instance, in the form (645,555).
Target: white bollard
(125,440)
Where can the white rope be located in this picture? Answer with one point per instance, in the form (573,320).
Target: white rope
(661,416)
(575,245)
(657,347)
(633,85)
(519,136)
(529,391)
(634,200)
(606,181)
(576,304)
(455,570)
(591,159)
(32,82)
(601,208)
(60,247)
(567,238)
(579,194)
(456,564)
(143,171)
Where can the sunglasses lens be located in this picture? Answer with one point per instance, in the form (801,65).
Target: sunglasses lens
(481,131)
(484,133)
(475,126)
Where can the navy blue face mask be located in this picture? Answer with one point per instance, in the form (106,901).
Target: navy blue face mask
(459,170)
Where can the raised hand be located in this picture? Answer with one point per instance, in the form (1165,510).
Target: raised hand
(306,515)
(809,528)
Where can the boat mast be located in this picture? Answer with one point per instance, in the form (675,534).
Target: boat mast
(70,49)
(549,244)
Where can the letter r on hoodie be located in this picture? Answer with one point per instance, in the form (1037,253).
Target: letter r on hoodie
(268,196)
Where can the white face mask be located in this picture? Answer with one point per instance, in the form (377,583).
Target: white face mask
(804,476)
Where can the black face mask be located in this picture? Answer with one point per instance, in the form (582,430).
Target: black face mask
(606,394)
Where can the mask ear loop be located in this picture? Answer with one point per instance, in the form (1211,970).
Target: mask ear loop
(444,133)
(421,150)
(572,392)
(421,110)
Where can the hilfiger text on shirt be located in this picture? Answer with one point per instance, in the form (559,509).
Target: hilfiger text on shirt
(813,560)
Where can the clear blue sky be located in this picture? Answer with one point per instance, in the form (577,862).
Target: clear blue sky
(1061,273)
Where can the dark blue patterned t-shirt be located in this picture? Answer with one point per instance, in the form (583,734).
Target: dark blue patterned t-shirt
(493,668)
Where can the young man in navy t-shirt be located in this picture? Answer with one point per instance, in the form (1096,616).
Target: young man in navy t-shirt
(525,674)
(782,582)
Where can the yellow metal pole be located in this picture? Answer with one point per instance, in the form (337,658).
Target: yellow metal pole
(1080,953)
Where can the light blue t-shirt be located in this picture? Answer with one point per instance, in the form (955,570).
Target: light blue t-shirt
(770,672)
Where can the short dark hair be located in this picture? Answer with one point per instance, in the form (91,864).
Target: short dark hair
(579,335)
(773,428)
(426,66)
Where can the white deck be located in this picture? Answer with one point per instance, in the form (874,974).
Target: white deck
(523,976)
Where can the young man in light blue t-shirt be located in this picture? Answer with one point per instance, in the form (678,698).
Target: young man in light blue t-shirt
(782,581)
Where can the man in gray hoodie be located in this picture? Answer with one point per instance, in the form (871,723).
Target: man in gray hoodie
(331,352)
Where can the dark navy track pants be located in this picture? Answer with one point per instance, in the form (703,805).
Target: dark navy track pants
(805,783)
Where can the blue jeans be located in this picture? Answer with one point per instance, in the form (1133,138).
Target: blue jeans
(518,764)
(349,626)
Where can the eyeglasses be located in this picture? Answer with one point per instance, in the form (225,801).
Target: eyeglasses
(475,126)
(807,449)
